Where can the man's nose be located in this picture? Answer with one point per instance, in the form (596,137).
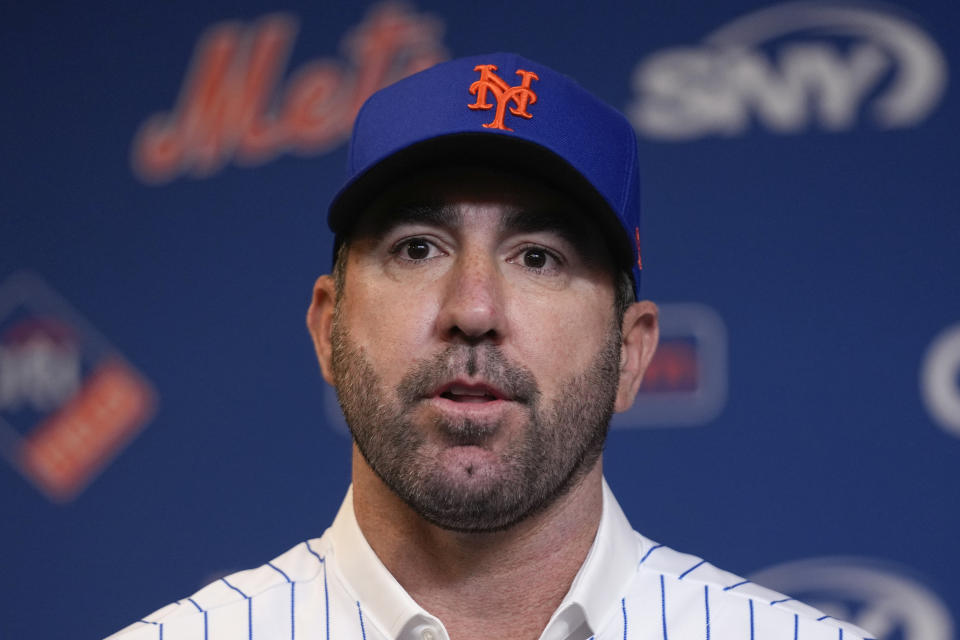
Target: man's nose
(472,307)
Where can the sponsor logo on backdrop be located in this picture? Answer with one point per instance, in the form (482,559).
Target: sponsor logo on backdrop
(69,402)
(790,68)
(940,380)
(236,106)
(686,384)
(881,597)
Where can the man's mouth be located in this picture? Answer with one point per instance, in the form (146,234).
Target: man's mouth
(471,411)
(470,392)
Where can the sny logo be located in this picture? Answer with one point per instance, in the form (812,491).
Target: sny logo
(521,95)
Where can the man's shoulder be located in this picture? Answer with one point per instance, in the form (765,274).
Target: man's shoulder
(232,596)
(685,596)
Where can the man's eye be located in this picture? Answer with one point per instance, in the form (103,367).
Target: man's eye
(538,260)
(535,258)
(415,249)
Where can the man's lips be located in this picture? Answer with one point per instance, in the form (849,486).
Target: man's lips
(470,392)
(471,411)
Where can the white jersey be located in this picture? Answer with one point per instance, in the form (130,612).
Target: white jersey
(629,588)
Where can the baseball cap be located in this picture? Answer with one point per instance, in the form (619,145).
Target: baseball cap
(503,111)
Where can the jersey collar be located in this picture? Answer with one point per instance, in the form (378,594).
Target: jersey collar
(594,595)
(377,592)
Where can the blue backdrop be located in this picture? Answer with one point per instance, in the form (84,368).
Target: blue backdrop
(162,218)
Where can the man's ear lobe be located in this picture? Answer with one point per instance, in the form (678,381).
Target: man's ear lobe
(641,331)
(320,322)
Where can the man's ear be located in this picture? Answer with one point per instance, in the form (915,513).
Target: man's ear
(320,322)
(641,331)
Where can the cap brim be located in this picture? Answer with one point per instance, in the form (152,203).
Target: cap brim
(479,149)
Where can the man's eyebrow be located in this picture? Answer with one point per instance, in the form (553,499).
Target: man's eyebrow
(571,226)
(440,215)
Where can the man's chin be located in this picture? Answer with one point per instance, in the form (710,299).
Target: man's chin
(469,490)
(470,517)
(470,464)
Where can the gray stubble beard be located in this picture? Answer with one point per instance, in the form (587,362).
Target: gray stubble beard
(560,443)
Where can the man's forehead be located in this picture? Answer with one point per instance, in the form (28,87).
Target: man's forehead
(442,196)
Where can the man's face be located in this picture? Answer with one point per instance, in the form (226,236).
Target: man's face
(474,345)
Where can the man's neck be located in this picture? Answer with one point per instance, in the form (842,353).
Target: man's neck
(506,583)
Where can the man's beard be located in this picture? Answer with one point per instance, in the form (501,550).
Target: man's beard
(559,443)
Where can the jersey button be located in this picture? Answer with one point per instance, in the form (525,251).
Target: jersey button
(428,634)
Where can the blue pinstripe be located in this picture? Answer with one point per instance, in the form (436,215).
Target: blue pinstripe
(684,574)
(206,630)
(326,596)
(249,608)
(623,607)
(224,581)
(316,555)
(663,606)
(292,587)
(363,631)
(647,554)
(706,607)
(718,589)
(159,626)
(280,571)
(326,599)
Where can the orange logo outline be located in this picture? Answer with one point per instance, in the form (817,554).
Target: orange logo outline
(521,95)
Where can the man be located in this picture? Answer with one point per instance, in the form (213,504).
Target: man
(480,327)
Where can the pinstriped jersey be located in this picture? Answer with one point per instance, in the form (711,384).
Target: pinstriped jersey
(628,588)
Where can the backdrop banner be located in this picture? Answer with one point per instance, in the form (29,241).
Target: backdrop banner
(167,170)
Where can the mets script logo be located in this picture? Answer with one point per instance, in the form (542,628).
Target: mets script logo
(521,95)
(238,105)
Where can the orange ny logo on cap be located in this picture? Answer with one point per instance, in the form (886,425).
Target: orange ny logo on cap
(521,95)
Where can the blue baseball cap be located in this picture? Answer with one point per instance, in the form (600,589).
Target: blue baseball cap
(503,111)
